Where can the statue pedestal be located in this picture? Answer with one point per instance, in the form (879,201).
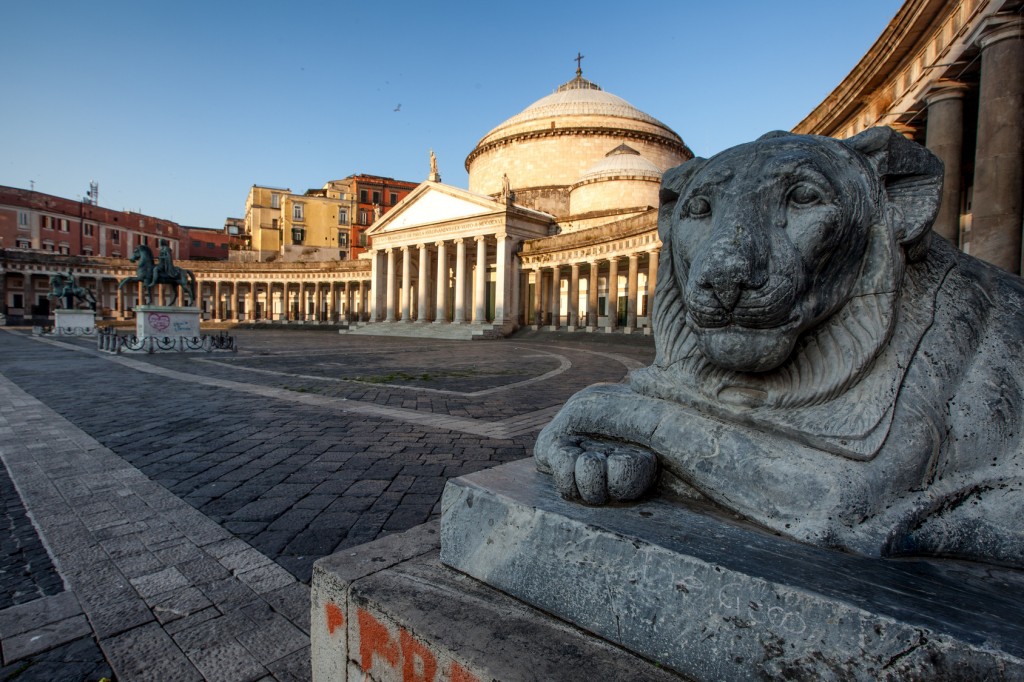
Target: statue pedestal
(166,322)
(72,322)
(713,598)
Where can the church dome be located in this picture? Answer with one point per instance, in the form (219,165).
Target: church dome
(623,179)
(548,146)
(621,161)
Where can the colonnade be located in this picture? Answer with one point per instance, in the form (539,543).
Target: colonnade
(588,294)
(455,281)
(994,233)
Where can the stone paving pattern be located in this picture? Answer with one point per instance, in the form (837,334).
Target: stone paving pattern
(301,444)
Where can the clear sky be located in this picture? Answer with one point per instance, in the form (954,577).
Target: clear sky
(177,108)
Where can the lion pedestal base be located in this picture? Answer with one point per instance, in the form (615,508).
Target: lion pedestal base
(71,322)
(389,611)
(166,321)
(716,599)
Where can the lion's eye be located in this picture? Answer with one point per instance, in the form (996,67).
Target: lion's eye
(698,207)
(805,195)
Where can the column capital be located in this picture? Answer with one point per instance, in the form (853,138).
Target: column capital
(440,243)
(459,240)
(501,235)
(480,238)
(421,246)
(403,249)
(996,29)
(634,256)
(945,89)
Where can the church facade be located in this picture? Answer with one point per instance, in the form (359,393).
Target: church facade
(558,229)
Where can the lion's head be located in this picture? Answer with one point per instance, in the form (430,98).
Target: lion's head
(783,248)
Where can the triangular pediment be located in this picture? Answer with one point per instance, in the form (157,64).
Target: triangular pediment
(431,203)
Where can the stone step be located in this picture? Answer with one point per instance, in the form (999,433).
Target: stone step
(389,611)
(429,330)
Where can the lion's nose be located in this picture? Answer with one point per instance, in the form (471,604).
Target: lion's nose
(729,267)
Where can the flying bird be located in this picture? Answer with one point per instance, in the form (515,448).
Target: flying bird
(399,107)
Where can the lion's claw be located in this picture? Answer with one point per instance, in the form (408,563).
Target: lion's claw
(599,471)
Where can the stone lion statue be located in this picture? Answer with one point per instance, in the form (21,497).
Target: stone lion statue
(824,367)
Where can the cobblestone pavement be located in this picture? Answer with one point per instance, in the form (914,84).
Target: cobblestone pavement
(301,444)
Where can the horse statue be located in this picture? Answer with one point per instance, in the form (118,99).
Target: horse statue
(151,274)
(64,288)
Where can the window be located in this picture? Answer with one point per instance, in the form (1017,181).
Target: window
(64,249)
(115,236)
(362,217)
(362,196)
(297,212)
(376,197)
(343,255)
(362,239)
(342,238)
(87,250)
(47,222)
(48,246)
(273,223)
(196,244)
(23,244)
(275,200)
(23,219)
(297,235)
(393,197)
(88,229)
(18,300)
(342,217)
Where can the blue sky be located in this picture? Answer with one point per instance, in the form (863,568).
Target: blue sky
(176,109)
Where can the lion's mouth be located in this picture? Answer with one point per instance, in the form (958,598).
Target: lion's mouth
(766,308)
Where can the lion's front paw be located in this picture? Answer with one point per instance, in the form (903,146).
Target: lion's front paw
(597,471)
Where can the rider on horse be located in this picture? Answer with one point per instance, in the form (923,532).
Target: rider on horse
(164,266)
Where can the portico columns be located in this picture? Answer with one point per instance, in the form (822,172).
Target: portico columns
(503,279)
(460,281)
(480,288)
(652,279)
(632,290)
(613,293)
(538,286)
(363,300)
(406,283)
(390,297)
(573,316)
(999,161)
(441,295)
(423,285)
(556,296)
(592,313)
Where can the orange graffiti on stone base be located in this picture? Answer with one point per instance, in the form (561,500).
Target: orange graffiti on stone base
(374,639)
(335,618)
(419,664)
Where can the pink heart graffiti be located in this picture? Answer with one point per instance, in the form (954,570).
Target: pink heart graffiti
(159,321)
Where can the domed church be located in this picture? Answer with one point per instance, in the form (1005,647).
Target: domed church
(558,229)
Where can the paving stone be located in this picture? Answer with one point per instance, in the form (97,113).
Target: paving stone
(112,617)
(44,637)
(18,619)
(160,582)
(147,653)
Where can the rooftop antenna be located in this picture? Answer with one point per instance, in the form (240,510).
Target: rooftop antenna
(94,193)
(32,185)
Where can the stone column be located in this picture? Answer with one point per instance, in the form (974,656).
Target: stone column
(406,283)
(538,286)
(573,312)
(364,290)
(423,285)
(503,279)
(441,296)
(592,312)
(999,162)
(480,288)
(460,281)
(556,296)
(613,293)
(330,291)
(250,302)
(389,296)
(945,138)
(632,289)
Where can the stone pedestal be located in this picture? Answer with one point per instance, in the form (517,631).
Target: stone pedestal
(713,598)
(72,322)
(166,321)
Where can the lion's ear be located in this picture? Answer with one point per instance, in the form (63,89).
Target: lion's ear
(912,177)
